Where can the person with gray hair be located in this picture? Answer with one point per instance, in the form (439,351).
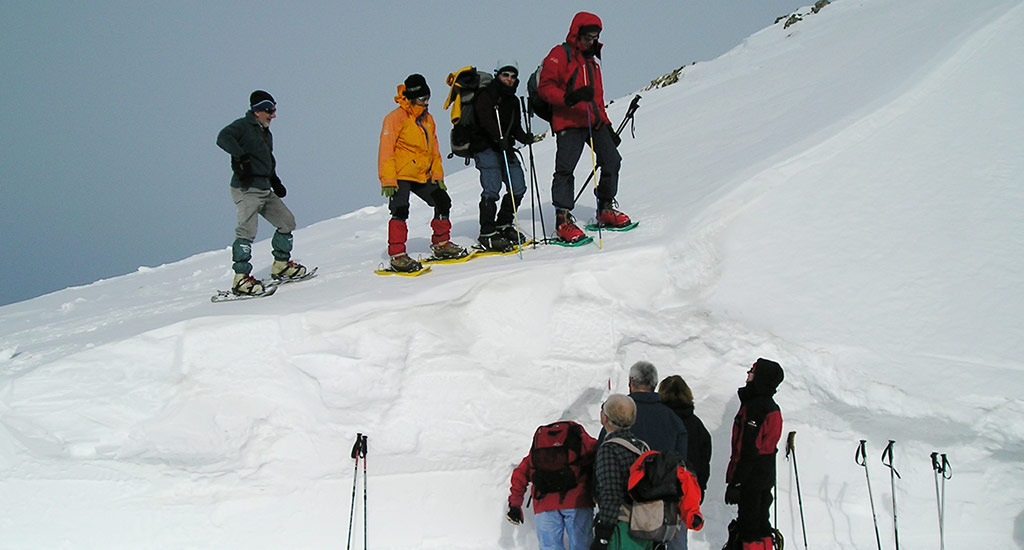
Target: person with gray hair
(611,474)
(655,423)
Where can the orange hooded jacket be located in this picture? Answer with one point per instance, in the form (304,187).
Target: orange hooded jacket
(408,145)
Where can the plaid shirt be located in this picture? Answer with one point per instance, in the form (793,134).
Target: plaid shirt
(611,473)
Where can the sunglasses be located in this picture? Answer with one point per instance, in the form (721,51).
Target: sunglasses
(508,74)
(591,37)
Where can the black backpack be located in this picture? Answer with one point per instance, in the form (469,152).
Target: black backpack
(555,449)
(464,85)
(537,104)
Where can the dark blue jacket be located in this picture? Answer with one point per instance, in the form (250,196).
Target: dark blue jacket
(657,425)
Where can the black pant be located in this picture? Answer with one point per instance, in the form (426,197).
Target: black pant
(570,142)
(431,193)
(753,516)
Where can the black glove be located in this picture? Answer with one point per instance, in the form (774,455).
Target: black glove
(602,535)
(515,515)
(277,186)
(585,93)
(732,493)
(530,138)
(242,166)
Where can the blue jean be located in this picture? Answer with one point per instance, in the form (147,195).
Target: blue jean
(553,524)
(678,543)
(491,164)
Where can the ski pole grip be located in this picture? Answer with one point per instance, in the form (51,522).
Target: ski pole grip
(356,447)
(861,458)
(935,462)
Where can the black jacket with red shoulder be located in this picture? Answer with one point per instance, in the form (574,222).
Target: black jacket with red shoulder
(756,429)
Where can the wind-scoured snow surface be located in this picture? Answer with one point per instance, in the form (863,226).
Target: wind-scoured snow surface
(844,196)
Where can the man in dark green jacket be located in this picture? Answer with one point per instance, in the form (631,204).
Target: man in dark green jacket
(256,189)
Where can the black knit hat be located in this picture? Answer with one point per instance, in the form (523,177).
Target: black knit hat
(260,95)
(587,29)
(416,87)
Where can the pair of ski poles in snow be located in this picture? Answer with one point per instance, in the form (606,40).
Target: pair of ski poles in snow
(862,459)
(358,451)
(941,468)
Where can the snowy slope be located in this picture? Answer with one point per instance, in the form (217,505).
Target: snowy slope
(842,196)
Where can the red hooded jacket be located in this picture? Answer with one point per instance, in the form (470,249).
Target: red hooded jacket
(583,70)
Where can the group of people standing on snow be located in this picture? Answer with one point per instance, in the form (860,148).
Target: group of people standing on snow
(409,161)
(661,420)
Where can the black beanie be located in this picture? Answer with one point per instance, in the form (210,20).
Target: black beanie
(416,87)
(587,29)
(259,96)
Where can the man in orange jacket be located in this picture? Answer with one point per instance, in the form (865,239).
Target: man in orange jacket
(409,161)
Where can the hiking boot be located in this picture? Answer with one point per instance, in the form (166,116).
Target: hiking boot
(287,270)
(608,216)
(402,262)
(447,250)
(494,243)
(566,228)
(513,236)
(247,285)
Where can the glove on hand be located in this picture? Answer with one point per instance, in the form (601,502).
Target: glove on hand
(585,93)
(732,493)
(242,166)
(515,515)
(440,183)
(277,186)
(530,138)
(388,191)
(602,535)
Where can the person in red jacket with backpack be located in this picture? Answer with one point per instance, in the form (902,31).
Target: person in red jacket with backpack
(751,473)
(559,466)
(570,80)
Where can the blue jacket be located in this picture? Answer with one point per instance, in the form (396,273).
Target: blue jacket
(657,425)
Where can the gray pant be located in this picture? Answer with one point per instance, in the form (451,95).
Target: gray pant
(250,202)
(264,202)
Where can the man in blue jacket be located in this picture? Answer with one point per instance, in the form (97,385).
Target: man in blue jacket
(656,424)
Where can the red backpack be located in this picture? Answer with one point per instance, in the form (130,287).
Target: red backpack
(554,452)
(665,495)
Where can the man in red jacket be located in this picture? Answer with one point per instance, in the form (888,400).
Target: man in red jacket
(559,507)
(570,80)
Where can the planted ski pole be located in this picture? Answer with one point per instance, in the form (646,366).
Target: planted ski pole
(633,106)
(363,445)
(593,171)
(862,459)
(893,474)
(941,468)
(358,451)
(534,189)
(791,450)
(508,184)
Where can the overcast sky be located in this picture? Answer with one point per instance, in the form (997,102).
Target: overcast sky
(110,110)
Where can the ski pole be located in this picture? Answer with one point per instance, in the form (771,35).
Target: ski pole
(365,516)
(941,469)
(893,474)
(528,112)
(508,176)
(791,449)
(633,106)
(862,459)
(593,171)
(356,453)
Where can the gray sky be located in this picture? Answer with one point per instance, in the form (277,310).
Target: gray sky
(110,110)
